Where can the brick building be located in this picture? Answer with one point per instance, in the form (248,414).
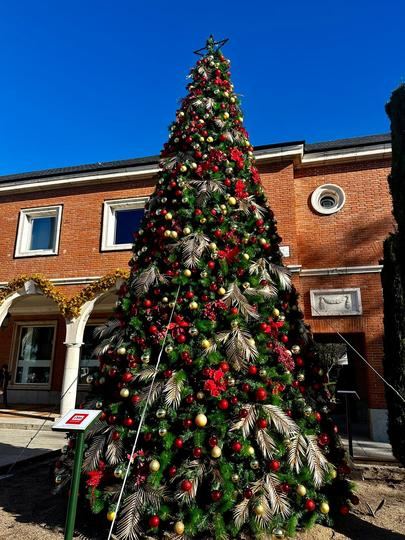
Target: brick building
(72,226)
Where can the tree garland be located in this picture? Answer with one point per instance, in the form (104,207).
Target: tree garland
(68,307)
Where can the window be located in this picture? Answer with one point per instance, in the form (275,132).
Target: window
(328,199)
(121,218)
(38,231)
(88,362)
(34,354)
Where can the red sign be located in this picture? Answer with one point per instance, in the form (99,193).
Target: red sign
(77,419)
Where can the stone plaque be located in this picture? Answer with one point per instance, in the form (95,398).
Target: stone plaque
(335,302)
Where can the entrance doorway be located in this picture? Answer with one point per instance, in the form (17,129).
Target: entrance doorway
(346,372)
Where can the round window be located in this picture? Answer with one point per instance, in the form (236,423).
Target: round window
(328,199)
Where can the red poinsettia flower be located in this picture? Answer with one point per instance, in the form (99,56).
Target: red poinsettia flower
(229,254)
(240,189)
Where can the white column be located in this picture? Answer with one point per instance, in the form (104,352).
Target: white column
(74,341)
(69,385)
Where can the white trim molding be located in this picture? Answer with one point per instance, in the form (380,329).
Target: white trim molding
(342,270)
(294,152)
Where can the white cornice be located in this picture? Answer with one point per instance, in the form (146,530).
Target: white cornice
(294,152)
(341,270)
(294,268)
(360,153)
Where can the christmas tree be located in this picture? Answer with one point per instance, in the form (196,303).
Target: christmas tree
(214,408)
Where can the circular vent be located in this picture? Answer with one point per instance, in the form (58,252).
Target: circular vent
(328,199)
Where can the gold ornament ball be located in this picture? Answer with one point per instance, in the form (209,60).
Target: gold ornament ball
(121,351)
(161,413)
(251,451)
(263,373)
(186,230)
(301,490)
(333,474)
(300,377)
(276,312)
(193,331)
(174,234)
(154,465)
(232,201)
(205,343)
(124,392)
(295,349)
(165,299)
(307,411)
(225,115)
(235,478)
(216,452)
(246,256)
(168,216)
(213,246)
(221,291)
(324,508)
(179,527)
(183,168)
(204,274)
(231,381)
(193,305)
(254,464)
(262,241)
(58,479)
(200,395)
(162,432)
(235,324)
(166,234)
(259,509)
(201,420)
(187,272)
(169,349)
(171,304)
(210,139)
(111,515)
(145,358)
(278,533)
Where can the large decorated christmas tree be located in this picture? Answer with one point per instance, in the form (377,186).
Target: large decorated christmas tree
(215,413)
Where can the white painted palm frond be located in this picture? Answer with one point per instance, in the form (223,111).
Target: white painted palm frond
(265,518)
(154,496)
(93,453)
(115,450)
(281,422)
(259,268)
(277,499)
(206,188)
(266,443)
(151,392)
(240,347)
(241,512)
(219,122)
(296,451)
(172,390)
(246,424)
(128,524)
(268,292)
(193,247)
(282,273)
(317,462)
(249,206)
(146,279)
(197,471)
(146,373)
(235,297)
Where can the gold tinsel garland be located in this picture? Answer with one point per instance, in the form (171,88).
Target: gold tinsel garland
(68,307)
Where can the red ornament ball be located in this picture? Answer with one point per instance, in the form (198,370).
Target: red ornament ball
(243,413)
(172,471)
(248,493)
(216,495)
(178,443)
(115,435)
(233,400)
(344,510)
(252,370)
(236,446)
(262,423)
(197,452)
(213,441)
(224,366)
(274,465)
(127,422)
(127,377)
(189,399)
(245,387)
(187,423)
(284,338)
(135,399)
(181,338)
(261,394)
(186,485)
(310,505)
(223,404)
(154,522)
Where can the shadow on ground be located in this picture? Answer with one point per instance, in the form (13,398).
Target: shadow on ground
(356,528)
(27,495)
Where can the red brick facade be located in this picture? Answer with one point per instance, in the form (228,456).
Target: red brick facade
(350,238)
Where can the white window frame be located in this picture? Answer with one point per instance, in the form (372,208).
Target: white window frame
(25,230)
(333,191)
(109,222)
(16,349)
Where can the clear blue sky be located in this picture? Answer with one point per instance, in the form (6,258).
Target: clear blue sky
(96,80)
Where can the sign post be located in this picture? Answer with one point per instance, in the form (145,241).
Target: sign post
(75,421)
